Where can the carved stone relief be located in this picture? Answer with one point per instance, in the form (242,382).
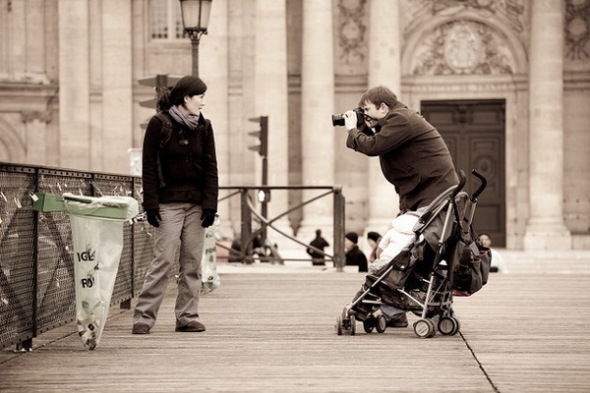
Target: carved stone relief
(577,29)
(351,28)
(511,11)
(463,47)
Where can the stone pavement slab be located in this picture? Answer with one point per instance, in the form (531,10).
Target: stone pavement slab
(271,329)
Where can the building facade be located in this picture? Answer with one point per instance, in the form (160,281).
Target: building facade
(506,82)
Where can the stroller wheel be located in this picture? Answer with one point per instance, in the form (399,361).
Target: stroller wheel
(381,324)
(369,324)
(448,326)
(352,325)
(424,328)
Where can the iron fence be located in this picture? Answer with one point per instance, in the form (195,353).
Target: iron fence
(36,251)
(36,265)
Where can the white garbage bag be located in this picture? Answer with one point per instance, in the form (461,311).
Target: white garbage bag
(209,276)
(97,234)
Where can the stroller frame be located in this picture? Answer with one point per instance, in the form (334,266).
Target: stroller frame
(435,306)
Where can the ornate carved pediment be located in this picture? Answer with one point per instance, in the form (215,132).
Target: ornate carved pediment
(463,47)
(577,29)
(350,33)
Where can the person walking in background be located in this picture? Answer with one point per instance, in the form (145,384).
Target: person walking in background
(317,258)
(180,191)
(373,239)
(354,256)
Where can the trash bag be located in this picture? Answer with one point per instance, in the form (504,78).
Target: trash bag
(209,277)
(97,234)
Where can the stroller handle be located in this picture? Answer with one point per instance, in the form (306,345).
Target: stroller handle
(462,180)
(483,184)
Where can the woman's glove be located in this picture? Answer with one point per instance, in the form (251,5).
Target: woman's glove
(153,217)
(207,218)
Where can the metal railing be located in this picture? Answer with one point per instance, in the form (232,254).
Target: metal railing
(36,264)
(253,242)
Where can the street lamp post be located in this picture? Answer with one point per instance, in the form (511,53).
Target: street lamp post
(195,20)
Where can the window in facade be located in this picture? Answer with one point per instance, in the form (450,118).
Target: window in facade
(166,20)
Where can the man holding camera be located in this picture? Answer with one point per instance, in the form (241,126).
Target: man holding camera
(413,156)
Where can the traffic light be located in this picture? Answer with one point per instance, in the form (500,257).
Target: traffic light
(158,82)
(262,135)
(263,195)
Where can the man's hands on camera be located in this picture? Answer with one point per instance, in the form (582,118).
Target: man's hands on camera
(350,120)
(207,218)
(153,217)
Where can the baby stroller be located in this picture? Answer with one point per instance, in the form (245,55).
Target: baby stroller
(443,259)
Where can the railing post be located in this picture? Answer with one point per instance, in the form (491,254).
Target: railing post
(27,345)
(246,226)
(339,217)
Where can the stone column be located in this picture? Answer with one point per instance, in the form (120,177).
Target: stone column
(36,136)
(74,84)
(270,97)
(384,69)
(546,228)
(214,45)
(117,88)
(317,103)
(35,16)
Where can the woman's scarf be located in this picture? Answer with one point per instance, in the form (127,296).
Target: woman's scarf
(191,121)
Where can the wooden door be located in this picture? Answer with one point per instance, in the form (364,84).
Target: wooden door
(475,134)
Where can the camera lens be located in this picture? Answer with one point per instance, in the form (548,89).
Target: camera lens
(338,119)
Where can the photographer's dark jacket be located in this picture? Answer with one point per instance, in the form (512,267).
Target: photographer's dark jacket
(179,164)
(413,156)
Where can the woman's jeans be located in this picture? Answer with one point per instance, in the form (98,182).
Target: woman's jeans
(180,221)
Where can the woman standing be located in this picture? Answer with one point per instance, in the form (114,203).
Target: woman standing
(180,190)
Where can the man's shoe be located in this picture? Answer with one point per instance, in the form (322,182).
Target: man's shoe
(194,326)
(140,328)
(398,321)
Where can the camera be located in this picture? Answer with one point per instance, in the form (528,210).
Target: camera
(338,118)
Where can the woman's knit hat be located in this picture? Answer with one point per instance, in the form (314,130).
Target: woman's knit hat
(187,86)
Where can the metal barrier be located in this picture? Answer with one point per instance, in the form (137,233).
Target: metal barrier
(36,262)
(253,243)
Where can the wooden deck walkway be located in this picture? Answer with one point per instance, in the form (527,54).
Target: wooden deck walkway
(272,332)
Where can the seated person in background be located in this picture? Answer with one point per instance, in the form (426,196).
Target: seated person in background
(497,261)
(373,238)
(354,256)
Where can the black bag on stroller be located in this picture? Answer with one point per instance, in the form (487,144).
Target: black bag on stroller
(472,269)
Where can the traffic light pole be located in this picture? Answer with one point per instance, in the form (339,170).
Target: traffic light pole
(262,150)
(264,204)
